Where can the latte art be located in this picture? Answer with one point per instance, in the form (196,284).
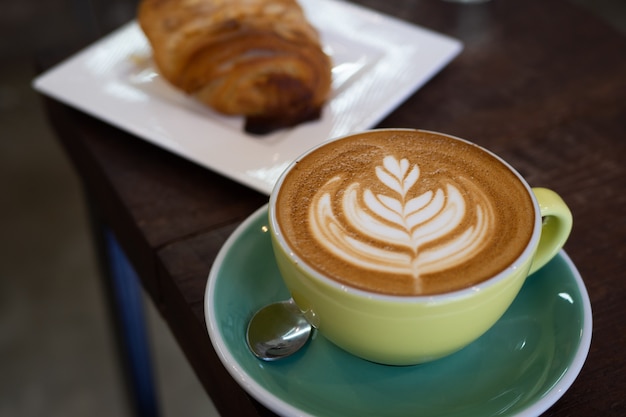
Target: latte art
(404,212)
(399,220)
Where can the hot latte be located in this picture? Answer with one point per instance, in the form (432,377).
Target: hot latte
(404,212)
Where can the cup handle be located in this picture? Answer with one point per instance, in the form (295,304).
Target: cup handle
(555,229)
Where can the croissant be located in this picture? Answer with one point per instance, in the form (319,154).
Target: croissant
(260,59)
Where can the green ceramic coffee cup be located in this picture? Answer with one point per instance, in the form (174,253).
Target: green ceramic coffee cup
(387,326)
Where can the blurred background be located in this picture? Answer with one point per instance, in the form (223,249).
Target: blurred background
(57,353)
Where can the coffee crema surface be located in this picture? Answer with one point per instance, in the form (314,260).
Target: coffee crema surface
(404,212)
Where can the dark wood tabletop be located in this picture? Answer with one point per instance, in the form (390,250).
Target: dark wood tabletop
(541,83)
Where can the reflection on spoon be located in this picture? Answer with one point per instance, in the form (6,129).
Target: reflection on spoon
(277,330)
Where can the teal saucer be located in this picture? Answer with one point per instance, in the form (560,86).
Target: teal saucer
(520,367)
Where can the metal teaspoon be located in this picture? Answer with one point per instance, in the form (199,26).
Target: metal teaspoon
(277,330)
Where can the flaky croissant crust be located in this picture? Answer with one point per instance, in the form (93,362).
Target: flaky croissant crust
(257,58)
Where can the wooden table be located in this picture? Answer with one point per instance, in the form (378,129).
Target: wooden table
(542,83)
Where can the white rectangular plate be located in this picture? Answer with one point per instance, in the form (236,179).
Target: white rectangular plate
(378,61)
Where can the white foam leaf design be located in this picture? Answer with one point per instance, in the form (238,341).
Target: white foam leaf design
(394,174)
(393,220)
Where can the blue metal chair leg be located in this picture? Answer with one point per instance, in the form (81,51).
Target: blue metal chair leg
(126,302)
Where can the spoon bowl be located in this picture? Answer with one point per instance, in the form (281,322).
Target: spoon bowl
(277,330)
